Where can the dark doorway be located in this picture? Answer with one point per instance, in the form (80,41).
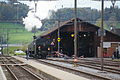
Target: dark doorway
(67,44)
(86,44)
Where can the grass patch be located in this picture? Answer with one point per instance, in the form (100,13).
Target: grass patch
(24,38)
(118,25)
(23,53)
(11,50)
(17,33)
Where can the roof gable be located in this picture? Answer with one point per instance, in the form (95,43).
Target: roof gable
(71,22)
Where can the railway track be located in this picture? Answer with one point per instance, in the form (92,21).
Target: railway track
(9,60)
(110,69)
(98,61)
(20,73)
(78,72)
(17,70)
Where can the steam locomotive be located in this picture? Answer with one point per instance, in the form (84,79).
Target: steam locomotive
(39,48)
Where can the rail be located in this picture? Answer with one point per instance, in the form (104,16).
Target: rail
(75,71)
(91,65)
(17,71)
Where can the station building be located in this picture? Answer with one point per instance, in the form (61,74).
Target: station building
(88,41)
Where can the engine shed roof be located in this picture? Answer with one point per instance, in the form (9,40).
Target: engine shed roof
(71,22)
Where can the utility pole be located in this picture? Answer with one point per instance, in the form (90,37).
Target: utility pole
(34,37)
(1,39)
(1,44)
(102,27)
(75,30)
(17,12)
(35,2)
(7,42)
(59,39)
(113,13)
(58,36)
(102,33)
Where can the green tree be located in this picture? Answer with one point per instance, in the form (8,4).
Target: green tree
(112,21)
(98,23)
(64,14)
(11,11)
(87,14)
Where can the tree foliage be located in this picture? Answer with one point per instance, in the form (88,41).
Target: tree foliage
(9,11)
(12,11)
(87,14)
(64,14)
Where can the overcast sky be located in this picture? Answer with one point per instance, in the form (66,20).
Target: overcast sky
(44,6)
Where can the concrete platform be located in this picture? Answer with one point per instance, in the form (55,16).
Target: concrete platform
(2,75)
(60,74)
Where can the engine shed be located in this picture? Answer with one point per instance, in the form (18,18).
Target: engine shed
(88,38)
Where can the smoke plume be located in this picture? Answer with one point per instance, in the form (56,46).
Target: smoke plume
(31,21)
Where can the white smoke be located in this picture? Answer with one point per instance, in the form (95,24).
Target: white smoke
(43,8)
(31,21)
(34,19)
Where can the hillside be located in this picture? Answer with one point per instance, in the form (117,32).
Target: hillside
(17,34)
(87,14)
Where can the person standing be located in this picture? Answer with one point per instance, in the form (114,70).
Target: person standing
(27,54)
(119,50)
(117,54)
(114,55)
